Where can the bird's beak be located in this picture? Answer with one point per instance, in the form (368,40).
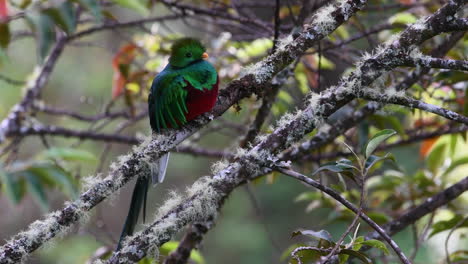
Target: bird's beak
(205,56)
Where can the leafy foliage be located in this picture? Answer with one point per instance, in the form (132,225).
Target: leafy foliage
(48,171)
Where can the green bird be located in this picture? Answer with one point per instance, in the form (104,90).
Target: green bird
(185,89)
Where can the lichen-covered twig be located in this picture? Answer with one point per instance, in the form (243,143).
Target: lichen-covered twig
(11,81)
(413,103)
(437,63)
(330,132)
(191,239)
(190,9)
(66,132)
(447,130)
(33,89)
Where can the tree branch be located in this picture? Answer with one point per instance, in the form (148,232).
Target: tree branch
(65,132)
(33,89)
(413,103)
(379,230)
(429,62)
(430,205)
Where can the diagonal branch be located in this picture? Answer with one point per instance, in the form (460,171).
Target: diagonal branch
(379,230)
(413,103)
(328,135)
(430,205)
(429,62)
(33,89)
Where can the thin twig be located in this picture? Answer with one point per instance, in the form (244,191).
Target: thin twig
(348,205)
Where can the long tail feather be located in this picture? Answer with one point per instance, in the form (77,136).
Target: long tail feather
(158,169)
(138,200)
(140,192)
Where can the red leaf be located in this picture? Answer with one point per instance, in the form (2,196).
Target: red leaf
(118,84)
(120,64)
(125,55)
(426,146)
(3,10)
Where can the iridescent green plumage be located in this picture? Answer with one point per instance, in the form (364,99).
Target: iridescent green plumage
(186,88)
(186,70)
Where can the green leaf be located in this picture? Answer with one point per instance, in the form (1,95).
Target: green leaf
(453,144)
(255,48)
(170,246)
(363,134)
(452,77)
(94,7)
(69,154)
(285,96)
(373,159)
(361,256)
(392,121)
(10,186)
(459,256)
(308,196)
(357,243)
(338,167)
(63,16)
(318,235)
(403,18)
(35,188)
(325,63)
(436,157)
(306,256)
(355,247)
(378,138)
(44,28)
(24,3)
(376,244)
(146,260)
(346,163)
(57,176)
(136,5)
(379,218)
(422,180)
(4,35)
(457,220)
(454,164)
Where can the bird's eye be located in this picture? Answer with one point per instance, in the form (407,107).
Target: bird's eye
(188,54)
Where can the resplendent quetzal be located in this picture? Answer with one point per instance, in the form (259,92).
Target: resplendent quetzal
(185,89)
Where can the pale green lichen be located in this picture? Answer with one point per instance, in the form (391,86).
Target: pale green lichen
(219,166)
(173,200)
(346,9)
(323,20)
(90,181)
(260,70)
(199,186)
(284,42)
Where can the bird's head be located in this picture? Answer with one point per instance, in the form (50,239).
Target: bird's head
(186,51)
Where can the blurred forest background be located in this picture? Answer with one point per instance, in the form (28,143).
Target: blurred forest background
(93,109)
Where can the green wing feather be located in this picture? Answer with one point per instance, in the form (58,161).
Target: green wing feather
(167,101)
(168,94)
